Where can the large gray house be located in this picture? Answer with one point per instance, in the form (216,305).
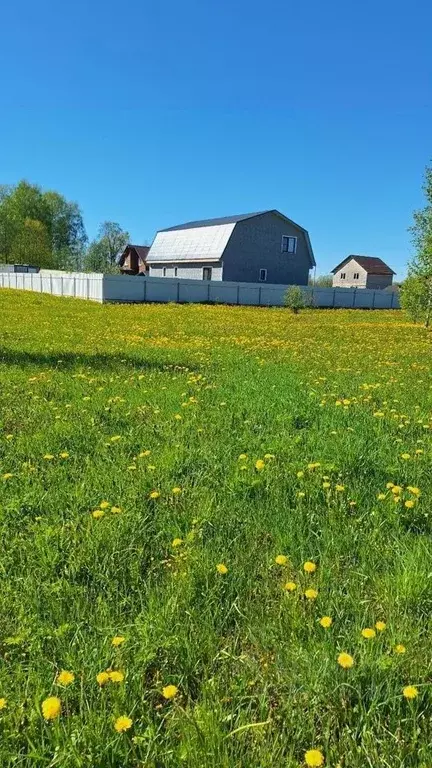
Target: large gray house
(362,272)
(253,247)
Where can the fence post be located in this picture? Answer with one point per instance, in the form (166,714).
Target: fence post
(259,295)
(354,297)
(50,284)
(391,300)
(178,291)
(373,300)
(74,286)
(145,289)
(334,297)
(208,291)
(238,294)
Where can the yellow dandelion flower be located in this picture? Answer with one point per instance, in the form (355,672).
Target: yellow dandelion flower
(222,569)
(51,707)
(178,417)
(339,488)
(345,660)
(314,465)
(413,489)
(290,586)
(116,510)
(116,676)
(64,455)
(410,504)
(281,560)
(176,491)
(380,626)
(326,484)
(115,438)
(118,640)
(3,703)
(410,692)
(269,456)
(313,758)
(144,454)
(396,489)
(9,437)
(300,474)
(104,504)
(49,456)
(242,457)
(368,633)
(399,648)
(405,456)
(259,465)
(7,475)
(154,495)
(389,485)
(301,494)
(176,542)
(122,724)
(326,622)
(381,496)
(102,678)
(65,678)
(169,691)
(311,594)
(309,566)
(98,513)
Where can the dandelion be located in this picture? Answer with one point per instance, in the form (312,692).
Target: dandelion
(116,676)
(380,626)
(399,648)
(144,454)
(396,489)
(222,569)
(300,474)
(326,622)
(326,484)
(123,724)
(3,703)
(104,504)
(49,456)
(339,488)
(65,677)
(410,692)
(178,417)
(102,678)
(259,465)
(176,491)
(154,495)
(381,496)
(169,691)
(368,633)
(405,456)
(115,438)
(389,485)
(345,660)
(51,707)
(7,475)
(98,513)
(290,586)
(116,510)
(413,489)
(313,757)
(301,494)
(118,640)
(177,542)
(269,456)
(9,437)
(242,457)
(281,560)
(64,455)
(309,566)
(311,594)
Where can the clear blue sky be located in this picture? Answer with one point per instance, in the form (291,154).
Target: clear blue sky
(154,113)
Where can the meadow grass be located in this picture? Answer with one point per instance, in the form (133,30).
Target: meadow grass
(163,412)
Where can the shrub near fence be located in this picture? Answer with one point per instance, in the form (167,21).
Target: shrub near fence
(122,288)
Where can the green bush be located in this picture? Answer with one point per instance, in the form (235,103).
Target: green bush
(294,299)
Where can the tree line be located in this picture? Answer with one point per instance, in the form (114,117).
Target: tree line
(44,229)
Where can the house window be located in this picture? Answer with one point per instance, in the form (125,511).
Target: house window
(207,273)
(356,275)
(342,275)
(289,244)
(263,275)
(175,271)
(164,272)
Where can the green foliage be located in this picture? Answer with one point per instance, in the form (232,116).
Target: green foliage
(294,299)
(60,222)
(417,289)
(322,281)
(103,252)
(86,391)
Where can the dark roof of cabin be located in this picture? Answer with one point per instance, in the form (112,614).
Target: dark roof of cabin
(214,222)
(142,251)
(372,265)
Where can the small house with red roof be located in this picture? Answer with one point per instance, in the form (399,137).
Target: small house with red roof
(362,272)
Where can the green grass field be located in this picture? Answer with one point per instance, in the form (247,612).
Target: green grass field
(129,442)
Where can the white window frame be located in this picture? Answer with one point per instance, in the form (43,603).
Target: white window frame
(211,273)
(291,244)
(263,279)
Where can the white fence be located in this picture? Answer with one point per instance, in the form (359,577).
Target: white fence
(122,288)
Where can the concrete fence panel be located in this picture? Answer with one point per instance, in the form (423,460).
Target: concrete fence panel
(224,293)
(195,291)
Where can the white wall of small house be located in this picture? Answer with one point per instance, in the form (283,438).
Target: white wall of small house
(190,271)
(350,269)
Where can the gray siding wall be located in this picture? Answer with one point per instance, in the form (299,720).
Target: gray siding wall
(379,281)
(256,244)
(349,270)
(187,271)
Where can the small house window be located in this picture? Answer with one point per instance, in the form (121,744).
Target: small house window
(289,244)
(263,275)
(343,275)
(356,275)
(164,271)
(207,273)
(175,271)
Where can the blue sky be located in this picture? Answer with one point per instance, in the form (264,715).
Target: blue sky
(154,113)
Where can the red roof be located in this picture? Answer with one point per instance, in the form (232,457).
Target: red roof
(371,264)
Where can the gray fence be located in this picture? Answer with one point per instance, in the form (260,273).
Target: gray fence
(122,288)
